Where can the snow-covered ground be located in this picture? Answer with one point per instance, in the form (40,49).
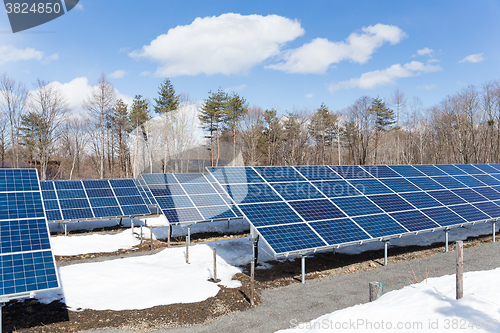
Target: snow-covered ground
(429,306)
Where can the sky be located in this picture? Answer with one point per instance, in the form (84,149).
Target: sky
(288,55)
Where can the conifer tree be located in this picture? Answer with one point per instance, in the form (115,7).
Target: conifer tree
(384,119)
(138,116)
(235,111)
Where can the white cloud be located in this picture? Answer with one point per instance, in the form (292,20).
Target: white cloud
(424,51)
(317,56)
(10,53)
(225,44)
(79,7)
(426,87)
(473,58)
(235,88)
(77,90)
(310,95)
(117,74)
(386,76)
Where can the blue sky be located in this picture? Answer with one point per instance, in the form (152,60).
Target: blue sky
(287,55)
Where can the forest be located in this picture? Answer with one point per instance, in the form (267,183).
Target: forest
(114,140)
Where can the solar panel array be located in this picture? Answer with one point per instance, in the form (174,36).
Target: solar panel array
(190,197)
(70,200)
(304,208)
(26,261)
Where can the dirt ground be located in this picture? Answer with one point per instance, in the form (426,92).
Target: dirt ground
(32,316)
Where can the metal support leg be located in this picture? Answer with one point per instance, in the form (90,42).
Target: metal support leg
(334,250)
(494,230)
(132,226)
(386,244)
(65,229)
(255,249)
(303,259)
(1,306)
(189,235)
(446,240)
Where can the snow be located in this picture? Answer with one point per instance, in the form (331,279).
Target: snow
(426,307)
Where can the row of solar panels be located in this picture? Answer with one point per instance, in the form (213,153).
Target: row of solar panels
(309,207)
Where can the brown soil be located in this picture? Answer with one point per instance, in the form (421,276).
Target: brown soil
(32,316)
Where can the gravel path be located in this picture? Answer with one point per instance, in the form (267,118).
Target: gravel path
(304,302)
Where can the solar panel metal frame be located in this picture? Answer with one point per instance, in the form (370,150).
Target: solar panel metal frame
(413,172)
(173,179)
(87,198)
(45,254)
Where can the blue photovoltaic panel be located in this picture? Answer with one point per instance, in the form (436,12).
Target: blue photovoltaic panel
(430,170)
(195,178)
(203,200)
(144,191)
(297,190)
(159,178)
(421,200)
(443,216)
(204,188)
(486,168)
(317,172)
(449,182)
(370,186)
(279,174)
(313,210)
(165,190)
(355,206)
(103,202)
(272,213)
(135,210)
(96,184)
(414,220)
(117,183)
(488,192)
(469,212)
(291,237)
(107,211)
(380,171)
(54,215)
(495,166)
(399,185)
(451,169)
(26,261)
(470,169)
(339,231)
(488,180)
(175,201)
(406,170)
(71,194)
(336,188)
(469,181)
(235,175)
(182,215)
(68,185)
(126,192)
(489,208)
(251,193)
(446,197)
(380,225)
(390,202)
(77,214)
(216,212)
(469,195)
(426,183)
(130,200)
(351,171)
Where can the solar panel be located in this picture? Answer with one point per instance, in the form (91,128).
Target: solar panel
(192,197)
(26,260)
(335,205)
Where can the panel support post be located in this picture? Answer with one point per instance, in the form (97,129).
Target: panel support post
(188,240)
(132,226)
(303,261)
(215,264)
(386,245)
(252,283)
(374,288)
(460,269)
(493,229)
(65,229)
(141,234)
(151,238)
(255,249)
(168,236)
(446,239)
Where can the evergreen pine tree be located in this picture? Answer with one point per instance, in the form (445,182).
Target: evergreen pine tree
(235,111)
(138,116)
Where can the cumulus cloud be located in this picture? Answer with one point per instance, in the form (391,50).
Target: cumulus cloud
(473,58)
(77,90)
(386,76)
(317,56)
(425,51)
(311,95)
(118,74)
(226,44)
(10,53)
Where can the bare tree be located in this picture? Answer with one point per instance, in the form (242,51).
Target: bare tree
(100,103)
(398,100)
(13,94)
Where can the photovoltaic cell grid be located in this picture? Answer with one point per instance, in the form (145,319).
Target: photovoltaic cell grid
(320,206)
(76,200)
(191,197)
(26,261)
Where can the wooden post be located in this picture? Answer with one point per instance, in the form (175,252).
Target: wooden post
(215,265)
(168,238)
(141,234)
(187,244)
(374,289)
(151,236)
(252,276)
(460,269)
(132,226)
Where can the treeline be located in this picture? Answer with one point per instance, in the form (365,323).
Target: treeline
(111,139)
